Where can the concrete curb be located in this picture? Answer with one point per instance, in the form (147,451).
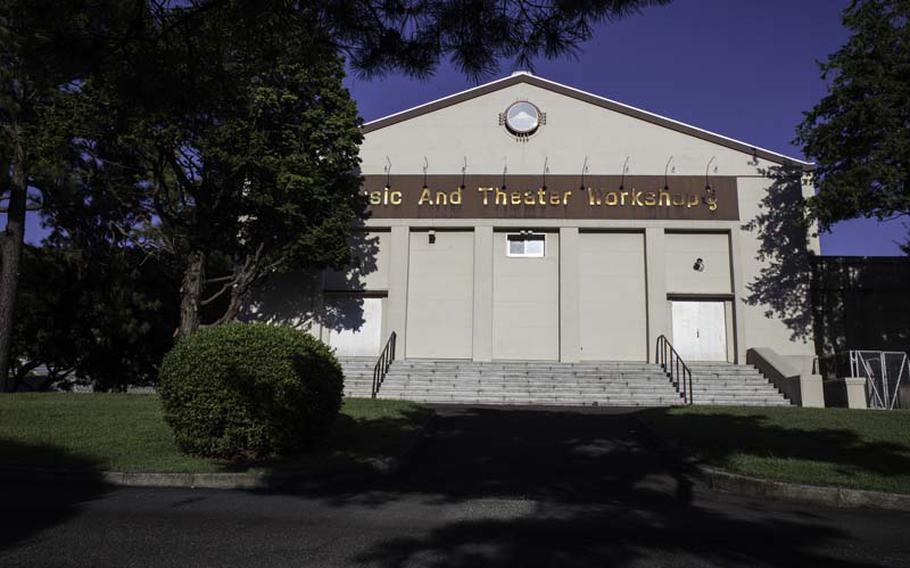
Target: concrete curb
(842,497)
(258,480)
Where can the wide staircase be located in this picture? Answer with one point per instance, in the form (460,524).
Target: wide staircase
(607,383)
(729,384)
(529,383)
(358,376)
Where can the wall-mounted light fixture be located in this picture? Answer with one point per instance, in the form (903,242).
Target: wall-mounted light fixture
(622,178)
(666,170)
(431,237)
(388,173)
(505,170)
(546,170)
(710,195)
(426,166)
(584,170)
(699,265)
(464,172)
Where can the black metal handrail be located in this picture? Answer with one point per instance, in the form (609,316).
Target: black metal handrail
(382,364)
(673,365)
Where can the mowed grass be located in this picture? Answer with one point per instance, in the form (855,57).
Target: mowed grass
(119,432)
(860,449)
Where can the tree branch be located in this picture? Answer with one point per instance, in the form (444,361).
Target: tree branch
(217,294)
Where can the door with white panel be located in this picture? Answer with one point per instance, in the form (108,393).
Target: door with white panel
(612,310)
(700,330)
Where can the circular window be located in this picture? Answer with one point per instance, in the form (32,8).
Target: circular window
(522,118)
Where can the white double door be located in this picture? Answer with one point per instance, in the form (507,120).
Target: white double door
(700,330)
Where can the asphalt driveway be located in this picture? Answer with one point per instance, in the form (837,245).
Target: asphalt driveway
(495,487)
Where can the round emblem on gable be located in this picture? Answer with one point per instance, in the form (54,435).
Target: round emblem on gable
(522,118)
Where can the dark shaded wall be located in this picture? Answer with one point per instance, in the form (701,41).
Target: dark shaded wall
(859,303)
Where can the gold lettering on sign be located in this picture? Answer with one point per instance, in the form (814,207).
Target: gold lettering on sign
(385,196)
(712,203)
(485,191)
(533,197)
(542,197)
(433,198)
(637,198)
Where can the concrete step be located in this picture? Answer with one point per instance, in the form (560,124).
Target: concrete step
(742,402)
(545,381)
(535,401)
(519,375)
(536,392)
(619,383)
(546,367)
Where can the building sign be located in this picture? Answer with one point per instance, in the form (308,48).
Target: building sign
(561,197)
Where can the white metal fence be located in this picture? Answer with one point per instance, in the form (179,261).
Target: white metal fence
(884,372)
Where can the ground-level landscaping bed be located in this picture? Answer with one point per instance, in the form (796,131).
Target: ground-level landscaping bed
(859,449)
(119,432)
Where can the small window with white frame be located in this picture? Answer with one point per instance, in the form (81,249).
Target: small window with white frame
(526,246)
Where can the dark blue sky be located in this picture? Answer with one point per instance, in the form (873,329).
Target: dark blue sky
(741,68)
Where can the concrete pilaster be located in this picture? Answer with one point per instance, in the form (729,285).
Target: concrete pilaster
(483,294)
(656,277)
(856,392)
(569,325)
(398,286)
(739,293)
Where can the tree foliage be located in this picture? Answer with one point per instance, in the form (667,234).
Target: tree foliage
(217,132)
(859,134)
(105,316)
(234,137)
(46,48)
(476,35)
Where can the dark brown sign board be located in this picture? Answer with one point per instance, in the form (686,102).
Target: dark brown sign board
(554,197)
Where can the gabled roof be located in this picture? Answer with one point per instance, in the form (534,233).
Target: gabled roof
(527,78)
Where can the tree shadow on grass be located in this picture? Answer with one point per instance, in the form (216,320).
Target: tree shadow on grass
(598,492)
(716,437)
(352,447)
(35,499)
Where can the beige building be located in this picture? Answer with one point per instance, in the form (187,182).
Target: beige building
(527,220)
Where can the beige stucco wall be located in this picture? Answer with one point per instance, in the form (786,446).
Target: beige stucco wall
(463,298)
(526,302)
(440,295)
(470,131)
(764,329)
(612,309)
(371,251)
(682,252)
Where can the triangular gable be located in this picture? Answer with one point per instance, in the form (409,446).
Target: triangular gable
(527,78)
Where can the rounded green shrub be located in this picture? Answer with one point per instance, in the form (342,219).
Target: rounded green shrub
(248,391)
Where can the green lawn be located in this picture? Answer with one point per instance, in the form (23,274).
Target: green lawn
(862,449)
(127,433)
